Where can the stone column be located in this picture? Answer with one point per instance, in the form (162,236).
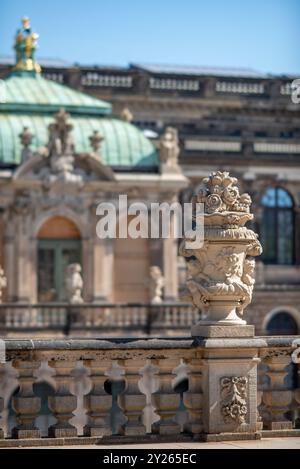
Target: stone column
(165,400)
(87,268)
(10,267)
(98,402)
(278,398)
(22,259)
(103,259)
(132,401)
(25,403)
(63,403)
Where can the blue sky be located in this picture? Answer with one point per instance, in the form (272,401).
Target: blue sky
(261,34)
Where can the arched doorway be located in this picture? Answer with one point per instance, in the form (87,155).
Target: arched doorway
(282,323)
(59,244)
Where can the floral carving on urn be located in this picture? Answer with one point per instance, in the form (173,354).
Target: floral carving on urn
(220,274)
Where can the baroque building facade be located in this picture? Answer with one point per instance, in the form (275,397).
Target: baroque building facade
(62,154)
(241,121)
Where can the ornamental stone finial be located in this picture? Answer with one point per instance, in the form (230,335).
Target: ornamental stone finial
(126,115)
(169,150)
(3,282)
(25,139)
(95,140)
(25,47)
(220,275)
(60,137)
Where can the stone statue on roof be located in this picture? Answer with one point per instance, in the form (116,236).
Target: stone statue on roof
(25,47)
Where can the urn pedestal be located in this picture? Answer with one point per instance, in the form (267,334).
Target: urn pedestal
(220,280)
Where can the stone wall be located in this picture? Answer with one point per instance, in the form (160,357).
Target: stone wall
(149,389)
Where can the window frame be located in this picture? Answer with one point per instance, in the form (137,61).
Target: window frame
(276,210)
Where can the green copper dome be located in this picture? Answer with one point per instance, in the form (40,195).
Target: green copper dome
(31,101)
(30,92)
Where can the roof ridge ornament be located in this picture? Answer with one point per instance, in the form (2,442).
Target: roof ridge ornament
(126,115)
(96,140)
(25,47)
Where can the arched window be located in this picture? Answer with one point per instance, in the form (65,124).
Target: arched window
(282,324)
(277,228)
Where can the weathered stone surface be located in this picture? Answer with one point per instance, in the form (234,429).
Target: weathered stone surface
(220,276)
(202,330)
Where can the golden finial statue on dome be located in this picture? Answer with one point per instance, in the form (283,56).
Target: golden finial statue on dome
(25,47)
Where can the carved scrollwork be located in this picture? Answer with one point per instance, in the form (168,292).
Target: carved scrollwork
(233,390)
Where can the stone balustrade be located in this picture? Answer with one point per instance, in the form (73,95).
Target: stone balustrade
(93,319)
(147,388)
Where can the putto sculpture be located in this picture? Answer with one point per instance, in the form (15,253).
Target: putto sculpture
(156,284)
(74,283)
(220,274)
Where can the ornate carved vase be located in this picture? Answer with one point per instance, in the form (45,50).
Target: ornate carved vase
(220,276)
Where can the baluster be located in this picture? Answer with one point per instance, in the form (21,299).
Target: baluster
(8,321)
(63,402)
(193,398)
(143,316)
(119,316)
(182,316)
(132,401)
(135,315)
(25,404)
(167,316)
(278,398)
(127,317)
(105,315)
(98,403)
(165,400)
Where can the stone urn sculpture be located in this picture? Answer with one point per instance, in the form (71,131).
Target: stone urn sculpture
(220,274)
